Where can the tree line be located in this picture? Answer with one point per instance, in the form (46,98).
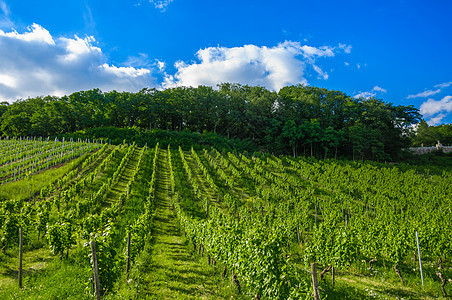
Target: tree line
(430,135)
(297,120)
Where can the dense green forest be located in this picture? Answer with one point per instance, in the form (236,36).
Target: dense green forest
(297,120)
(430,135)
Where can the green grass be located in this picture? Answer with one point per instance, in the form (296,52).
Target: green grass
(358,282)
(45,277)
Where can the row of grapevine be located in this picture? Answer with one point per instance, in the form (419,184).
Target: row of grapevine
(340,213)
(24,160)
(250,250)
(274,216)
(78,208)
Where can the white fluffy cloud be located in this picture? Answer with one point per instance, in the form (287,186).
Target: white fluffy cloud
(271,67)
(436,120)
(436,110)
(36,63)
(379,89)
(35,34)
(124,72)
(366,95)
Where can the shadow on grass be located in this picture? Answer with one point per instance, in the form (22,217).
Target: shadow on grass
(344,292)
(182,258)
(399,293)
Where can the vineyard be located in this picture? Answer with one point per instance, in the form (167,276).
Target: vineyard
(171,223)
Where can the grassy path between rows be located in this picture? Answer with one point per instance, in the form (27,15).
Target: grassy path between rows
(174,271)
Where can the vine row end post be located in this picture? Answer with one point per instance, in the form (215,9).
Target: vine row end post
(95,270)
(315,283)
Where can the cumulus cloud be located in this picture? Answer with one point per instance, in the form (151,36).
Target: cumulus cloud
(124,72)
(77,48)
(36,63)
(366,95)
(436,120)
(271,67)
(379,89)
(436,109)
(35,34)
(8,80)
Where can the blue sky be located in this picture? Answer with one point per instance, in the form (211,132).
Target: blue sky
(398,51)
